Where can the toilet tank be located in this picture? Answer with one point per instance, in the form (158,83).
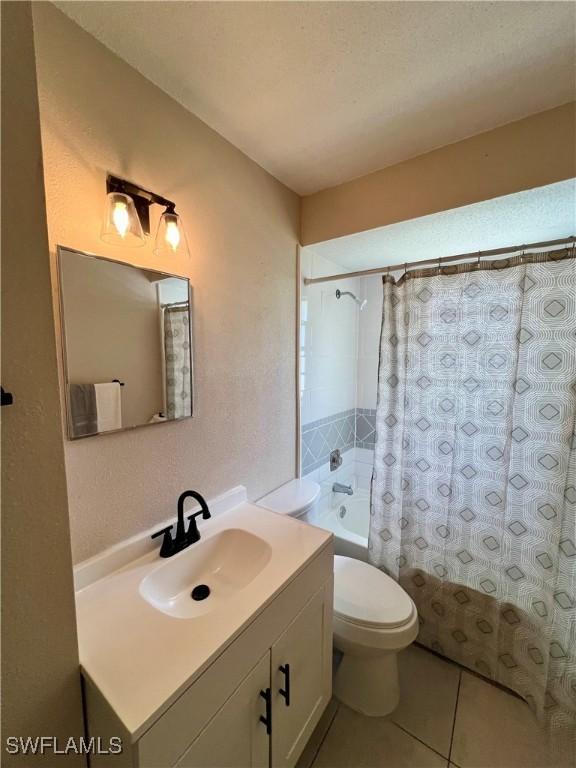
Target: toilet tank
(297,498)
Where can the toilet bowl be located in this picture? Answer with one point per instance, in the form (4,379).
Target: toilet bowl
(374,618)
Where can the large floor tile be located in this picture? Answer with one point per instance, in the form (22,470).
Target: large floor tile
(314,742)
(495,729)
(355,741)
(428,693)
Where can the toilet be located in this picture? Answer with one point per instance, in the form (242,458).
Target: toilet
(374,618)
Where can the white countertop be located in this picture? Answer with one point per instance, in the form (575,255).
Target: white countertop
(142,659)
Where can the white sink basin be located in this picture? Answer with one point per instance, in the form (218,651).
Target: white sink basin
(225,563)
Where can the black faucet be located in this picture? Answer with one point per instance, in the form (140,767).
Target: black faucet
(184,537)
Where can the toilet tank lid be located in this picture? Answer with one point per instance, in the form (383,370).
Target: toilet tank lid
(292,498)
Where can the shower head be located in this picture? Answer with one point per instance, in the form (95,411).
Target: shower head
(361,303)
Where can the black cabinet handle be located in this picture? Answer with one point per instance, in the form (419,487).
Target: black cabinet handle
(267,720)
(285,669)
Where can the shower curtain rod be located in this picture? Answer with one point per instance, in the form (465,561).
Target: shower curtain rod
(173,304)
(440,260)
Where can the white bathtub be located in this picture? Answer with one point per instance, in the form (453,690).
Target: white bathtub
(348,517)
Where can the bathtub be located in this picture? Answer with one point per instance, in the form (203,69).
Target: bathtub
(348,517)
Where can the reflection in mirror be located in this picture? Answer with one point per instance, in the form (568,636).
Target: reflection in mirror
(127,344)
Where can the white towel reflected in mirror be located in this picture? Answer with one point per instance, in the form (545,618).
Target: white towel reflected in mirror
(108,406)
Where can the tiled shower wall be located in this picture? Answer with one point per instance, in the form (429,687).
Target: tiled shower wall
(345,430)
(328,344)
(338,362)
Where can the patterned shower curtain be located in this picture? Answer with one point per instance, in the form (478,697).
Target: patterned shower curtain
(473,504)
(177,362)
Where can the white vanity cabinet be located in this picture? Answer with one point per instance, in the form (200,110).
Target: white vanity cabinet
(236,737)
(257,703)
(268,719)
(301,680)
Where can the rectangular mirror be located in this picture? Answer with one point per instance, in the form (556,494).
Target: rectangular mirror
(127,335)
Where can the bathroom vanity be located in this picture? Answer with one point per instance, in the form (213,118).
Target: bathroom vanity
(238,679)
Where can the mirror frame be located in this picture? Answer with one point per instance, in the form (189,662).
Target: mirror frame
(64,349)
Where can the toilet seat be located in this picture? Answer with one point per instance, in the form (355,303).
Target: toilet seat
(366,597)
(368,641)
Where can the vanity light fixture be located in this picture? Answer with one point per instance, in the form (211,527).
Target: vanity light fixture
(127,218)
(121,224)
(170,237)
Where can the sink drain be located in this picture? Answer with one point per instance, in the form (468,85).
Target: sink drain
(200,592)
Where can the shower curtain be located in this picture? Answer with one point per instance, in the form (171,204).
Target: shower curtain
(473,504)
(177,362)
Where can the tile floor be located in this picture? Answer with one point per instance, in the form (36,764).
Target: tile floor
(447,718)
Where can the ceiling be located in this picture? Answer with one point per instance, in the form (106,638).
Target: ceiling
(318,93)
(544,213)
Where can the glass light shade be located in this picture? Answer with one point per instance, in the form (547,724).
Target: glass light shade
(121,224)
(171,237)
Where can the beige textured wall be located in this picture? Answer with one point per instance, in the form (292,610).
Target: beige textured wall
(40,673)
(99,115)
(529,153)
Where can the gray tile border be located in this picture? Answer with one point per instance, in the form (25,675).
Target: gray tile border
(355,427)
(328,420)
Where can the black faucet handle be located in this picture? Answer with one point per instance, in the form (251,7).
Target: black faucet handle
(167,542)
(167,530)
(192,533)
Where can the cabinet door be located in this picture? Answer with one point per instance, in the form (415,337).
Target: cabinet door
(236,737)
(301,667)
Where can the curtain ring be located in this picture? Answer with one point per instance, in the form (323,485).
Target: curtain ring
(478,263)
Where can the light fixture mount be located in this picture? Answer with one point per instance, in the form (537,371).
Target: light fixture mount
(142,198)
